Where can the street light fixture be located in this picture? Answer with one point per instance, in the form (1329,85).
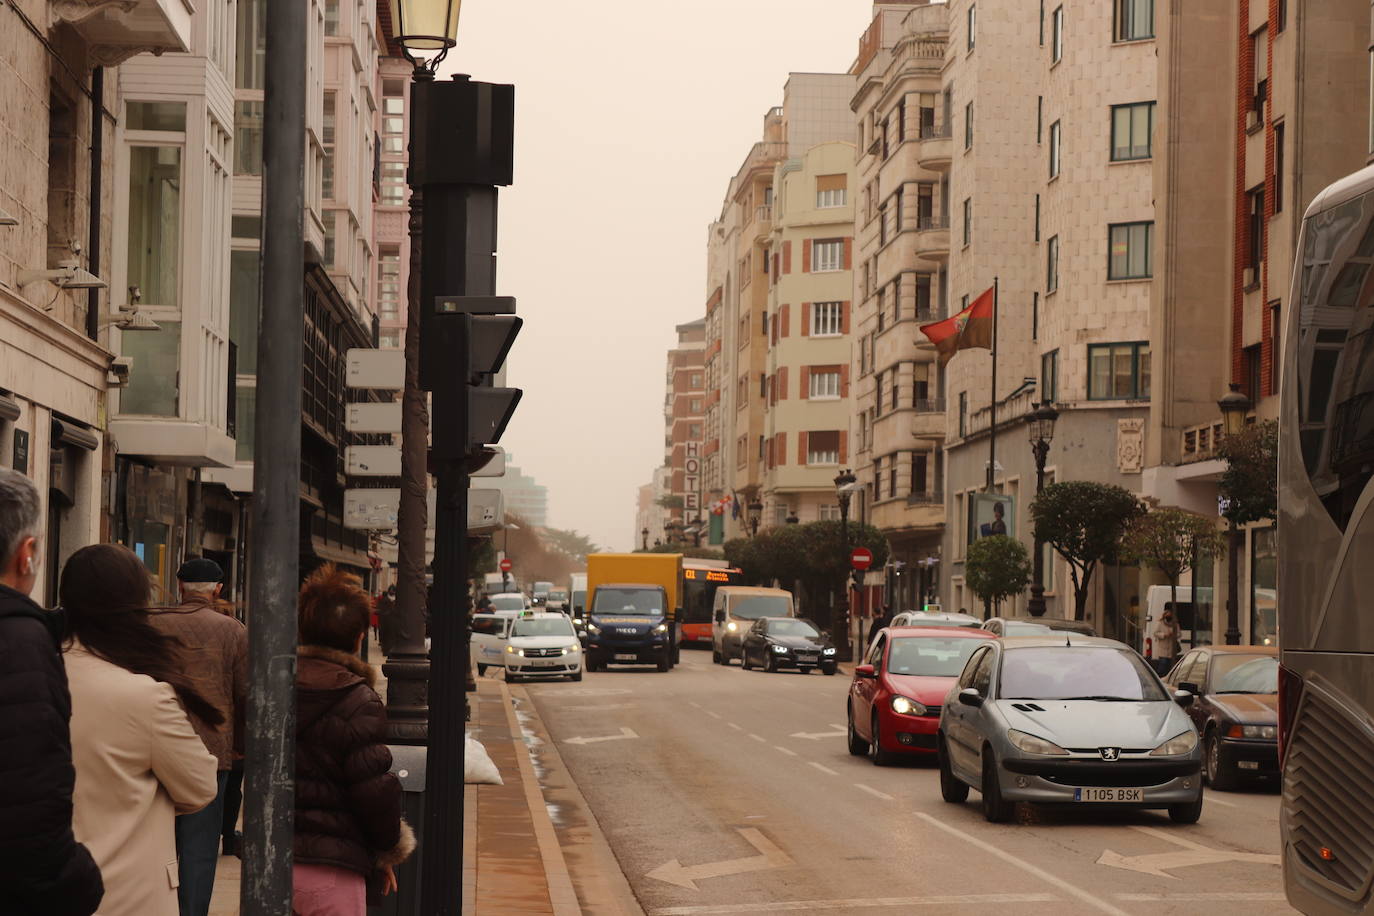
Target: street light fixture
(1040,425)
(839,629)
(425,25)
(755,517)
(1234,406)
(644,536)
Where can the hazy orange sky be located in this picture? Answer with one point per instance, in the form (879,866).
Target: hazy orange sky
(631,117)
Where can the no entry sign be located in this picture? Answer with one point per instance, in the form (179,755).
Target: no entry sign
(506,564)
(861,558)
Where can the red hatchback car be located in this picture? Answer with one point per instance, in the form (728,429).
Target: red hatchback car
(894,701)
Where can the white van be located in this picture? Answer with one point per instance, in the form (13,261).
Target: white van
(490,633)
(735,609)
(1159,598)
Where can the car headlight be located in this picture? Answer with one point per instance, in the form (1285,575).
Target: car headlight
(1252,731)
(828,651)
(593,629)
(661,628)
(732,626)
(781,650)
(906,706)
(1178,744)
(514,651)
(1032,744)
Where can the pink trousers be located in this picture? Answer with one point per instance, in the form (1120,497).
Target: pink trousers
(320,890)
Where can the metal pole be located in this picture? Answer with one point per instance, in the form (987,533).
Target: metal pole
(1036,606)
(992,404)
(269,770)
(1235,540)
(97,195)
(839,627)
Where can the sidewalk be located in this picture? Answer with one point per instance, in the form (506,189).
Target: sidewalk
(512,863)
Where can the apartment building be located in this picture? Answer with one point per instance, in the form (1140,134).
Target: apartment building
(901,282)
(806,387)
(391,215)
(684,415)
(523,496)
(1246,141)
(62,128)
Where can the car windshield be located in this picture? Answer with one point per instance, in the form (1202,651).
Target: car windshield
(542,626)
(930,656)
(558,594)
(634,601)
(490,626)
(1245,674)
(792,628)
(752,607)
(579,599)
(1016,628)
(508,603)
(1076,673)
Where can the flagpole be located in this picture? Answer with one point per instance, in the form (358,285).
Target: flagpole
(992,406)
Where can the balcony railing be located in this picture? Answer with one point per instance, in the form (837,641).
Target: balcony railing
(932,222)
(930,405)
(764,214)
(936,132)
(1200,442)
(924,499)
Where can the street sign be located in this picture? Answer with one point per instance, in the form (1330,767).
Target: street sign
(373,460)
(374,510)
(373,418)
(495,466)
(506,565)
(861,558)
(368,368)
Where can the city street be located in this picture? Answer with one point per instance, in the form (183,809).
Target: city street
(729,791)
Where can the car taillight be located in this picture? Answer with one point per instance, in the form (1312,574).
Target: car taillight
(1290,694)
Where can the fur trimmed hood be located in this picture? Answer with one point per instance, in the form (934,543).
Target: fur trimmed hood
(351,664)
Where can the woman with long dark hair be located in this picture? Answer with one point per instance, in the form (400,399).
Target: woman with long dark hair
(138,761)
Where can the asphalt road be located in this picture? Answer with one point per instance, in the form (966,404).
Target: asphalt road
(728,791)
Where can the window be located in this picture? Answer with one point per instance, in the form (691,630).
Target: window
(1035,314)
(329,239)
(1274,332)
(1135,19)
(1130,256)
(827,319)
(1278,166)
(1251,364)
(1264,562)
(972,23)
(1132,126)
(830,191)
(251,62)
(694,430)
(1283,15)
(152,390)
(1255,231)
(331,17)
(968,220)
(244,285)
(1054,149)
(919,468)
(968,126)
(825,383)
(1039,118)
(1042,23)
(826,255)
(963,413)
(167,116)
(828,513)
(393,184)
(248,138)
(1052,264)
(389,282)
(1037,217)
(154,229)
(694,405)
(823,447)
(327,140)
(1259,56)
(694,380)
(1049,376)
(1057,35)
(390,339)
(1120,370)
(393,118)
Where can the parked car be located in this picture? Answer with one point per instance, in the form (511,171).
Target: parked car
(509,601)
(1035,626)
(488,643)
(1235,711)
(943,619)
(542,645)
(895,697)
(787,642)
(1067,719)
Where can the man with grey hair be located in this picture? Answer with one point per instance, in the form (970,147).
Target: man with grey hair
(43,869)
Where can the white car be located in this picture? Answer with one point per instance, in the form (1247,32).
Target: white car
(509,601)
(489,633)
(542,645)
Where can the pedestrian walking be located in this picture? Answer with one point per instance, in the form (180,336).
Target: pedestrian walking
(349,827)
(43,869)
(212,654)
(139,761)
(1165,640)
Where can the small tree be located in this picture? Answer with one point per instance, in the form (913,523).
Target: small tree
(1171,541)
(997,568)
(1250,483)
(1084,523)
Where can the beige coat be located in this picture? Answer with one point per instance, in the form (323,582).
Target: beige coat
(138,765)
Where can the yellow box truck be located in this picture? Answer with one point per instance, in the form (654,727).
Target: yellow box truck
(633,615)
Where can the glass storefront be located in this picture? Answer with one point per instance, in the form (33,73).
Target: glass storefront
(1264,564)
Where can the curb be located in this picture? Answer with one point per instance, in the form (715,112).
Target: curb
(561,893)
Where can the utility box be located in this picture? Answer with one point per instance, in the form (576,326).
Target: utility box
(408,763)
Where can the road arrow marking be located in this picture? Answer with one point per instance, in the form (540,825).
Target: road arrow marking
(1159,864)
(624,733)
(770,856)
(816,736)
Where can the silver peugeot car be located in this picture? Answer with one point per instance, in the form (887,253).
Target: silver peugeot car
(1067,719)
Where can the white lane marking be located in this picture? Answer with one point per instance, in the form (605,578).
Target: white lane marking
(872,791)
(1220,896)
(785,751)
(713,715)
(604,707)
(840,727)
(1025,866)
(770,856)
(1211,799)
(1158,864)
(734,726)
(793,906)
(624,733)
(816,736)
(826,770)
(758,738)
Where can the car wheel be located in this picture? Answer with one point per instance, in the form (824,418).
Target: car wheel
(880,757)
(996,810)
(1186,814)
(952,789)
(744,660)
(481,670)
(857,746)
(575,678)
(665,662)
(771,665)
(1220,776)
(715,655)
(828,669)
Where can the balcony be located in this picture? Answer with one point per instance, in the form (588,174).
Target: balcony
(937,148)
(932,238)
(115,32)
(763,222)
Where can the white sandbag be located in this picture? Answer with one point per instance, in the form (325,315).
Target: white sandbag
(480,770)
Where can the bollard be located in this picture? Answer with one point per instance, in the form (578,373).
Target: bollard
(408,763)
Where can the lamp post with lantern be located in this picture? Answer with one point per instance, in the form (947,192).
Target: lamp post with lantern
(755,517)
(1040,425)
(644,537)
(839,630)
(1235,407)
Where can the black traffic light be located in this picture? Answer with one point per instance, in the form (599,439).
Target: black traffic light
(468,411)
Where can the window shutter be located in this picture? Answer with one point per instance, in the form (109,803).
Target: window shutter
(781,450)
(844,381)
(806,256)
(844,446)
(805,392)
(782,384)
(785,317)
(849,254)
(806,319)
(787,257)
(801,447)
(844,316)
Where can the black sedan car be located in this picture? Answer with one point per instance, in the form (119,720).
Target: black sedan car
(1235,710)
(787,642)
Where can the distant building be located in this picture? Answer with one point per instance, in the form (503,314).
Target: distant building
(683,419)
(523,496)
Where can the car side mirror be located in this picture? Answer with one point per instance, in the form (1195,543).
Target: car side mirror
(1183,698)
(1189,688)
(720,616)
(865,671)
(970,696)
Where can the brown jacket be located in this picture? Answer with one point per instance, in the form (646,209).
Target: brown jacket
(214,654)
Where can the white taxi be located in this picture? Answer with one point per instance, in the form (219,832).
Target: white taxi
(542,645)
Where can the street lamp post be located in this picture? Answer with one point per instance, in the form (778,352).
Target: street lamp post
(755,516)
(839,630)
(1234,407)
(1040,423)
(644,537)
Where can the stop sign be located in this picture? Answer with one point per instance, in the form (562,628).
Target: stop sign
(506,564)
(861,558)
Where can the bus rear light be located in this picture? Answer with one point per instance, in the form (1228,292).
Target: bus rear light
(1326,854)
(1290,695)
